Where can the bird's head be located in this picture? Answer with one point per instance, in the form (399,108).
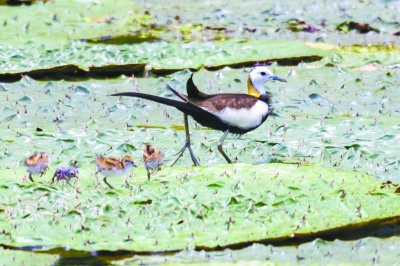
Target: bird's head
(148,149)
(128,161)
(72,172)
(257,77)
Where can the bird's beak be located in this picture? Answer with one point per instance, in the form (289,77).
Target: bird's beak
(278,78)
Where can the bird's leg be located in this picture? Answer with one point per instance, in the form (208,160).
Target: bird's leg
(97,181)
(155,171)
(105,181)
(220,142)
(148,174)
(70,184)
(129,177)
(194,159)
(97,178)
(52,180)
(30,177)
(44,172)
(187,144)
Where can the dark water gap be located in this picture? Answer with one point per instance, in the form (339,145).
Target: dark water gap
(75,73)
(381,228)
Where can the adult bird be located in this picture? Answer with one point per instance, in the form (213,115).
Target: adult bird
(234,113)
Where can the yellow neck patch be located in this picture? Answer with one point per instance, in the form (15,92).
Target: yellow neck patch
(251,90)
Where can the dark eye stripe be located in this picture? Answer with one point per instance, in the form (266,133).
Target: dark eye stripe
(263,74)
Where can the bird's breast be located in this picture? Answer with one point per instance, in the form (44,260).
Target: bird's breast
(154,163)
(112,172)
(37,168)
(244,117)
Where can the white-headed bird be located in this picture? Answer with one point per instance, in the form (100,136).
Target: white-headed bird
(235,113)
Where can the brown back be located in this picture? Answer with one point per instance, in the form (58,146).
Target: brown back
(109,163)
(37,157)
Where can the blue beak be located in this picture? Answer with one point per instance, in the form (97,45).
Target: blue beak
(278,78)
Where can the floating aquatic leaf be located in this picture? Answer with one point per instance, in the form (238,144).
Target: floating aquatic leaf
(26,99)
(274,197)
(81,90)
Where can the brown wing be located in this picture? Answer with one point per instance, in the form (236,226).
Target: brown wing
(37,157)
(217,102)
(44,158)
(150,153)
(154,156)
(32,159)
(108,163)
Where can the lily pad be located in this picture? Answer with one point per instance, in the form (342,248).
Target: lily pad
(183,203)
(14,257)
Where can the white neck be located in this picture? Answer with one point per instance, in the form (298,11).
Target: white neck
(258,85)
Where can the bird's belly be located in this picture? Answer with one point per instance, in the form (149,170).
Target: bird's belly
(112,172)
(153,164)
(244,118)
(36,169)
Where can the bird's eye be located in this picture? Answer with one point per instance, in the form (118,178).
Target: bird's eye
(263,74)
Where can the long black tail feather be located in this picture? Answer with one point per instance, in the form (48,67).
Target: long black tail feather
(201,116)
(166,101)
(184,107)
(176,93)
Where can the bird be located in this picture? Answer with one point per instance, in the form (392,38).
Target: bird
(110,167)
(66,174)
(152,158)
(38,163)
(235,113)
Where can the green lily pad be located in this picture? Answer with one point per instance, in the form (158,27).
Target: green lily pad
(298,202)
(365,251)
(14,257)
